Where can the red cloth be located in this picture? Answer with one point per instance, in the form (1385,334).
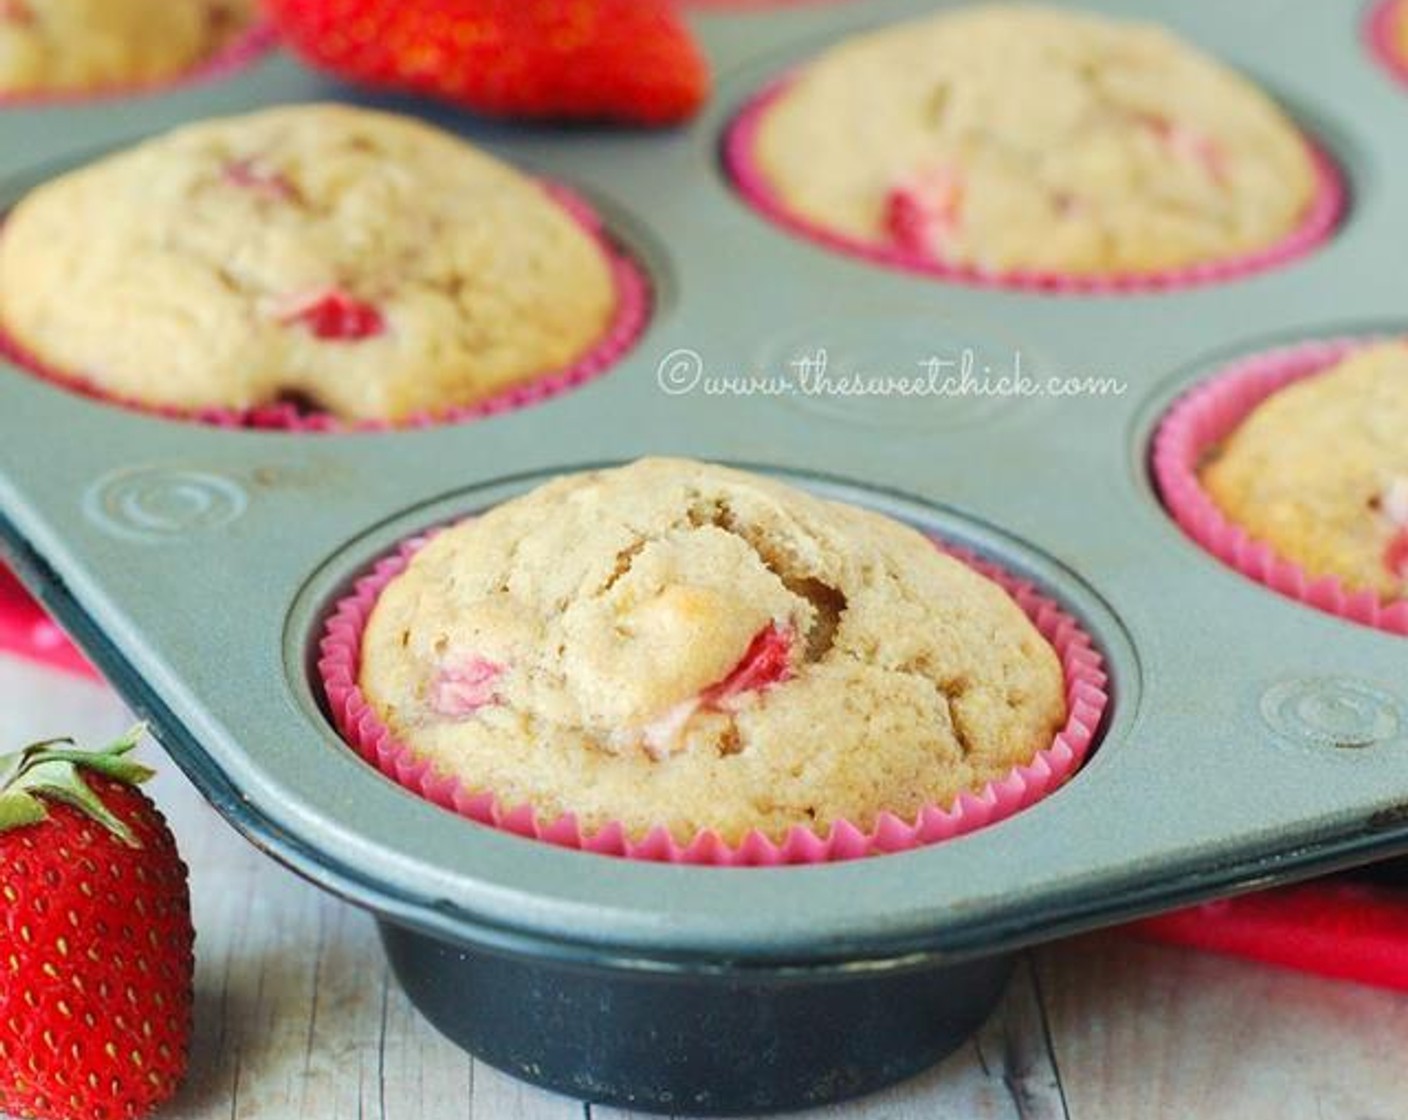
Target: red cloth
(1347,931)
(27,631)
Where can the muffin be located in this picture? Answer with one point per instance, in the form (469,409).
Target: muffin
(1319,471)
(360,263)
(682,645)
(1004,138)
(52,46)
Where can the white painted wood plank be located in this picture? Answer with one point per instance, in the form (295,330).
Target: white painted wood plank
(1144,1032)
(37,704)
(423,1073)
(497,1096)
(1014,1048)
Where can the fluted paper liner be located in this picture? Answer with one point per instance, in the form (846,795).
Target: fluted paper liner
(1205,417)
(1086,702)
(632,311)
(1320,220)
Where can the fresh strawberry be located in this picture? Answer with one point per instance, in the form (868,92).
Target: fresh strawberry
(96,942)
(627,60)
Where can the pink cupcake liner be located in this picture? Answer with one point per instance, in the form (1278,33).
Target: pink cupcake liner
(1386,33)
(255,40)
(633,305)
(1086,698)
(1320,221)
(1205,417)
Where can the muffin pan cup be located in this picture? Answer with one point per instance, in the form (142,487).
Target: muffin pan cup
(1315,226)
(1202,420)
(1250,739)
(631,289)
(719,1043)
(340,646)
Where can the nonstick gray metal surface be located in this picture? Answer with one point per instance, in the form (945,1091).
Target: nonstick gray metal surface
(1250,739)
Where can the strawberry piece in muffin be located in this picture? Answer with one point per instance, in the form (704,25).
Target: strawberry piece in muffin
(335,316)
(251,174)
(16,12)
(461,690)
(767,662)
(922,211)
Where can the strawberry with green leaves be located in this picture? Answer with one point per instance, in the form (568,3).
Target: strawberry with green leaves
(96,958)
(618,60)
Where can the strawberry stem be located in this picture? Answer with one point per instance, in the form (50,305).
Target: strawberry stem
(52,770)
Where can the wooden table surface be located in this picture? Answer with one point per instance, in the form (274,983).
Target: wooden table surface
(297,1017)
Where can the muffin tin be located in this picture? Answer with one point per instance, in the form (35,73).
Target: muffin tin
(1250,739)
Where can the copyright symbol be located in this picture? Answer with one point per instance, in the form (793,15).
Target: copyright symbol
(679,372)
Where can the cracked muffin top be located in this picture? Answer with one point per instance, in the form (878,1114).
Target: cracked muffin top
(1021,137)
(1319,471)
(359,262)
(75,45)
(679,644)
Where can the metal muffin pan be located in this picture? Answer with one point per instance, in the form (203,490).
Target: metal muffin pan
(1250,739)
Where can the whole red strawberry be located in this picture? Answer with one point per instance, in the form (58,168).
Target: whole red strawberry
(626,60)
(96,942)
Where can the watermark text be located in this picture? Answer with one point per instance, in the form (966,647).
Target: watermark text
(684,372)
